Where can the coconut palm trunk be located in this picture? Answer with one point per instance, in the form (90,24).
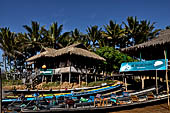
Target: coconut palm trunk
(5,66)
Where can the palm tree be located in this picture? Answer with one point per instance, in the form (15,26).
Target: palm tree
(9,47)
(146,32)
(140,31)
(33,38)
(56,37)
(77,36)
(94,35)
(132,28)
(113,33)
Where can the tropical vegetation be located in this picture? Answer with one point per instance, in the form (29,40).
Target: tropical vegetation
(105,41)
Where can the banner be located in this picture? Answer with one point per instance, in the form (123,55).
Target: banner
(46,71)
(144,65)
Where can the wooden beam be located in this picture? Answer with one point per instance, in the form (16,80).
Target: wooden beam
(166,76)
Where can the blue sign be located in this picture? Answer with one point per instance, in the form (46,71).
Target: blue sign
(144,65)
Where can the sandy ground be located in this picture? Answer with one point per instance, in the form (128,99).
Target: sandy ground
(161,108)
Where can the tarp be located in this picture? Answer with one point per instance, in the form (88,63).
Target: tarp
(144,65)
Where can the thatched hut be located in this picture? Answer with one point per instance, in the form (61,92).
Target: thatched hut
(151,49)
(73,61)
(157,48)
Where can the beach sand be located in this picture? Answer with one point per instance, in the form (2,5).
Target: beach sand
(161,108)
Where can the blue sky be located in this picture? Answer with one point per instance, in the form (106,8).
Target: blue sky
(80,13)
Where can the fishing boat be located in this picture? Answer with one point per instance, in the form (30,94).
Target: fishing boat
(78,102)
(92,91)
(101,105)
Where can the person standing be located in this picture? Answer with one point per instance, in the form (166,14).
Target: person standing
(54,99)
(36,94)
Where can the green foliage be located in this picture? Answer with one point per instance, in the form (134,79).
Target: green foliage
(113,57)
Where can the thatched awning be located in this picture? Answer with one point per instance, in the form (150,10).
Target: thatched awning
(70,50)
(162,40)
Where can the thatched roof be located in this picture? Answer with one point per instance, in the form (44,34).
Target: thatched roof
(49,52)
(162,40)
(75,49)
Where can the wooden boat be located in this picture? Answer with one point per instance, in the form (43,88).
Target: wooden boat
(91,108)
(86,93)
(54,91)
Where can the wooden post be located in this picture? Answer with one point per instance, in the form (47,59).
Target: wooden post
(70,75)
(103,75)
(125,84)
(86,76)
(61,77)
(156,82)
(140,56)
(166,76)
(95,78)
(143,83)
(79,80)
(52,78)
(42,78)
(1,93)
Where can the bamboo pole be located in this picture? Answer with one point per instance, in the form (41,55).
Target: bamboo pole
(166,76)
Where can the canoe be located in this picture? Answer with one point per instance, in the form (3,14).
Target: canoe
(49,96)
